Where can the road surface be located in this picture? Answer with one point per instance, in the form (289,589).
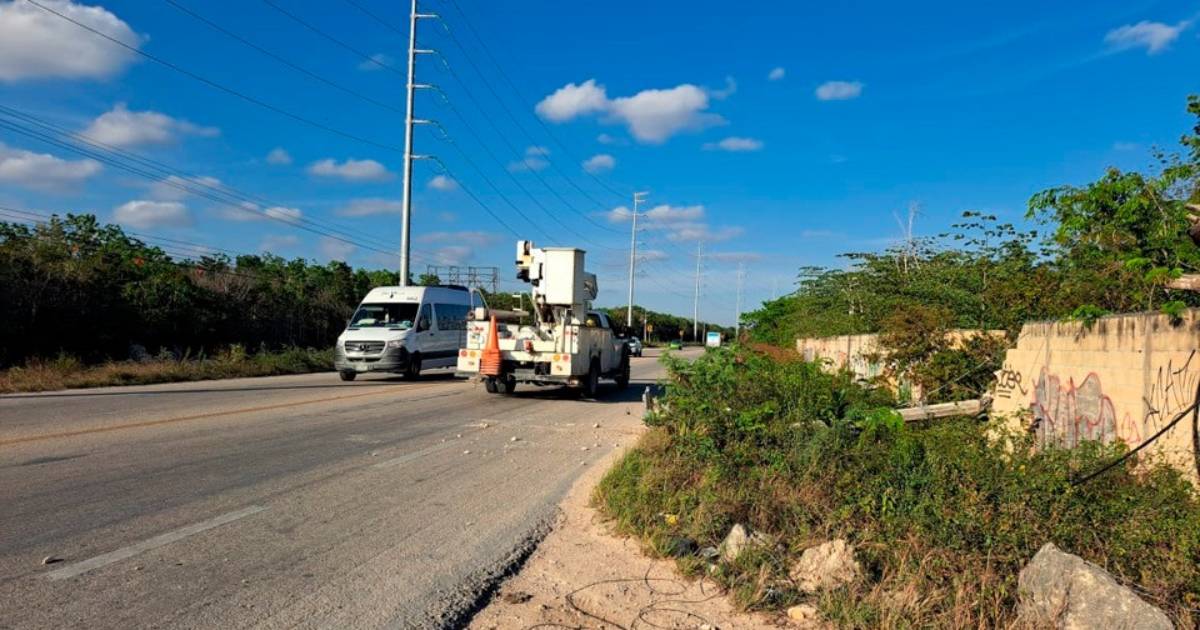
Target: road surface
(284,502)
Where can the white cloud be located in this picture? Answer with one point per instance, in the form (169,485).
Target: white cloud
(42,171)
(573,100)
(776,73)
(476,238)
(679,223)
(452,255)
(534,160)
(334,249)
(1155,37)
(279,157)
(351,170)
(652,116)
(38,44)
(172,188)
(729,90)
(735,144)
(291,215)
(274,243)
(652,255)
(443,183)
(369,207)
(143,214)
(122,127)
(599,163)
(734,256)
(839,90)
(447,217)
(247,211)
(378,61)
(605,138)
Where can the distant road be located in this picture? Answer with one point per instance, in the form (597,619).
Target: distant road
(295,501)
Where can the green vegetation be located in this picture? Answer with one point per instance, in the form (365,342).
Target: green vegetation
(943,516)
(1109,246)
(66,372)
(664,326)
(74,287)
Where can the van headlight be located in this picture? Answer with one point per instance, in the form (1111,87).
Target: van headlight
(395,343)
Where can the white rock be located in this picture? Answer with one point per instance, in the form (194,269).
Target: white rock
(826,566)
(804,616)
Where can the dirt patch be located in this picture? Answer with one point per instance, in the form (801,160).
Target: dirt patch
(582,576)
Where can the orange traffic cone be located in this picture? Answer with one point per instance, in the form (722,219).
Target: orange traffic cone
(489,362)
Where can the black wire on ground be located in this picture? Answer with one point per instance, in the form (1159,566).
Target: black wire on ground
(1193,409)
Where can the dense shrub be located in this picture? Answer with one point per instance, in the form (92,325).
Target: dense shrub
(943,516)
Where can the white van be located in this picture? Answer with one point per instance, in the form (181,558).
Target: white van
(405,330)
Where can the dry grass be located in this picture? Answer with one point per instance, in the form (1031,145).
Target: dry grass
(70,373)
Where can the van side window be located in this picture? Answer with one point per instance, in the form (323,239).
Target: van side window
(424,318)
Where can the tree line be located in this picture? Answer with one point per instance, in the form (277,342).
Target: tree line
(71,285)
(1112,245)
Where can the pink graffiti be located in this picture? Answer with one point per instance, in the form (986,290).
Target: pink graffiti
(1066,415)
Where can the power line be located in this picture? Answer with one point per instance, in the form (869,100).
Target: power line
(217,86)
(517,123)
(301,21)
(165,172)
(504,75)
(232,201)
(298,68)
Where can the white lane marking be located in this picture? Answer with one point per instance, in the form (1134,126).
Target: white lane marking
(153,543)
(429,450)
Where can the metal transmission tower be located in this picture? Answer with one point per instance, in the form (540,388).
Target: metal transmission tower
(411,88)
(638,197)
(477,277)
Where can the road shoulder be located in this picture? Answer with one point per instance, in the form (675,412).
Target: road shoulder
(582,575)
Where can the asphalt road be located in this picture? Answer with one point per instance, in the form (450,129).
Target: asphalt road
(284,502)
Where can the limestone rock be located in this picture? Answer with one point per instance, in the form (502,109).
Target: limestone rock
(826,566)
(1071,593)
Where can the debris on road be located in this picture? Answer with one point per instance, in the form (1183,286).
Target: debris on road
(51,560)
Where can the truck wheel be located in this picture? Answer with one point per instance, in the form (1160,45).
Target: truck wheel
(348,375)
(489,384)
(623,372)
(507,386)
(591,386)
(414,367)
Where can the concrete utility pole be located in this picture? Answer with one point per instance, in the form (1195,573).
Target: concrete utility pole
(406,202)
(738,321)
(638,197)
(696,297)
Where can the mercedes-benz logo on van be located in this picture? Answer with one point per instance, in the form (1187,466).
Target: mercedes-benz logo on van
(362,347)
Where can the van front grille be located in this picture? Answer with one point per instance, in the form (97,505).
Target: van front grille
(368,347)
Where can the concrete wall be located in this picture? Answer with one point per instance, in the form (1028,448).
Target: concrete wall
(858,353)
(1123,378)
(863,355)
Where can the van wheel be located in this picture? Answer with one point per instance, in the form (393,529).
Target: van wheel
(623,372)
(347,375)
(414,367)
(591,386)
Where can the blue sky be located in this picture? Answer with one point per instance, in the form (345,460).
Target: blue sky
(780,134)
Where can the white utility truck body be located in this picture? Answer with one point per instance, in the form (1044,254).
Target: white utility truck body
(568,343)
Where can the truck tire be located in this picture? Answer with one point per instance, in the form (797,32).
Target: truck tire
(413,370)
(489,384)
(348,375)
(507,385)
(622,377)
(591,386)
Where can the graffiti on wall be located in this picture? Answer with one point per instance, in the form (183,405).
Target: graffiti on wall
(1008,383)
(1173,389)
(1066,414)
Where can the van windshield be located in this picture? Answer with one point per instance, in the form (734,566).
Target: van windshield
(399,316)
